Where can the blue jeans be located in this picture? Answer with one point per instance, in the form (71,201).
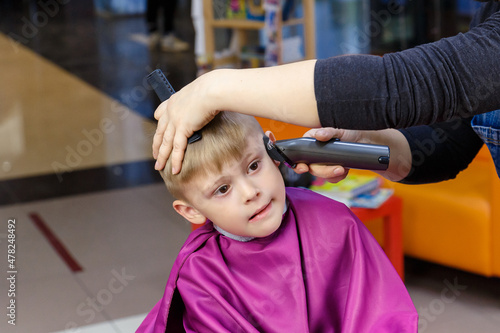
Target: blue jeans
(487,126)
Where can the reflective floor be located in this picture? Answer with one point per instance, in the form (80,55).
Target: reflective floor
(95,234)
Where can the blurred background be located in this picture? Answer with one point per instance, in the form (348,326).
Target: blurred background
(85,218)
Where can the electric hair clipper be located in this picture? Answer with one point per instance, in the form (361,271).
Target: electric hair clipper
(164,90)
(334,152)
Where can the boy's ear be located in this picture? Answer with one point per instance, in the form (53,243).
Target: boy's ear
(189,212)
(271,137)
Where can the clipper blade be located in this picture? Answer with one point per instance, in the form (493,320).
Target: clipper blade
(276,154)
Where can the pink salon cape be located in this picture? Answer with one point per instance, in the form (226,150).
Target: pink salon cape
(321,271)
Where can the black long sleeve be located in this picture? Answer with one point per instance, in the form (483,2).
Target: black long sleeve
(454,77)
(440,151)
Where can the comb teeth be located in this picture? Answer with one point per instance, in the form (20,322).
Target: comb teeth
(195,137)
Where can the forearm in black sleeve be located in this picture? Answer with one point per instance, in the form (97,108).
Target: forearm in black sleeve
(440,151)
(454,77)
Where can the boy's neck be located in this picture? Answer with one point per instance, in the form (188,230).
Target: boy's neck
(230,235)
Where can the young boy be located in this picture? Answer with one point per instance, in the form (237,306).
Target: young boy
(269,259)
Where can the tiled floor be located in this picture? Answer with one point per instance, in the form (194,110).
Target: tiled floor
(110,235)
(75,132)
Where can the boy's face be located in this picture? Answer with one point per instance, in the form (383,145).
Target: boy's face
(246,199)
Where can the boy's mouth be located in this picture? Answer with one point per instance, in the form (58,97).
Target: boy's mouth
(261,213)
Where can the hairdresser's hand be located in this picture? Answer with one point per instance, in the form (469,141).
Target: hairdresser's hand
(332,173)
(399,165)
(175,125)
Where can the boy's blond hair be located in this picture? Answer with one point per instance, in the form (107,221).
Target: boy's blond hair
(223,141)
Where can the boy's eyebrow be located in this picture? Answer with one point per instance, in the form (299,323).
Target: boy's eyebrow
(207,190)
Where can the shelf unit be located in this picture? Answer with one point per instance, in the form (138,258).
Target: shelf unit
(242,26)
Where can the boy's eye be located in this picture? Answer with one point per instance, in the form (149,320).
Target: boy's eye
(254,166)
(222,190)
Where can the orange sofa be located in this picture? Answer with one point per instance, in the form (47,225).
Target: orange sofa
(457,222)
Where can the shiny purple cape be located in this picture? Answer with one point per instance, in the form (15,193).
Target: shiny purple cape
(321,271)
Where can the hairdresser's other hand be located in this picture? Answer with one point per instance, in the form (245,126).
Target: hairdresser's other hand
(400,161)
(175,125)
(332,173)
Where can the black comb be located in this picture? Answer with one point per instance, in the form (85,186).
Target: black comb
(164,90)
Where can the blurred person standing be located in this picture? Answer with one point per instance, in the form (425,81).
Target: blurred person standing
(165,38)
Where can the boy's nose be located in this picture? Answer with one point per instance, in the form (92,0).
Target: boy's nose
(250,191)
